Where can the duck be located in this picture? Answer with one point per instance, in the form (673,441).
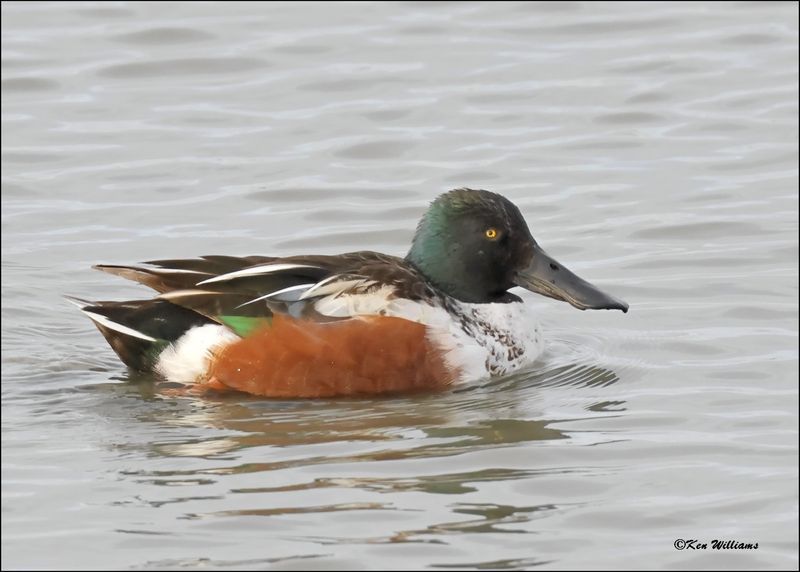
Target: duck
(358,323)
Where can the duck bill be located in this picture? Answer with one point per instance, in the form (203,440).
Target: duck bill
(547,277)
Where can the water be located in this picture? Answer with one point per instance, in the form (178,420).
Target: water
(653,149)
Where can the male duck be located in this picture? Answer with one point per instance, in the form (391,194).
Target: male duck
(356,323)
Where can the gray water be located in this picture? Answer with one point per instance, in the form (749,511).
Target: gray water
(653,150)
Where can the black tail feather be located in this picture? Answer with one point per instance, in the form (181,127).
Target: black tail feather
(139,330)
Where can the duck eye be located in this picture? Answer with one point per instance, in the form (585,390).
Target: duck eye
(491,233)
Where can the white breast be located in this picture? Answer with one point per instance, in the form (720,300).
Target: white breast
(509,334)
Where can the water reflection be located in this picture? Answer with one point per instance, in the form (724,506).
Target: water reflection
(506,564)
(237,461)
(240,435)
(447,483)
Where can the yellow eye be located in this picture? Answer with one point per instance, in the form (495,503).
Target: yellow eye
(491,233)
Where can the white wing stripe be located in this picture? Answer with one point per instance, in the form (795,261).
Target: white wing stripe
(168,271)
(318,285)
(100,319)
(184,293)
(256,271)
(290,289)
(335,285)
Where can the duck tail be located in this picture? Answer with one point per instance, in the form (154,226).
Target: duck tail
(139,330)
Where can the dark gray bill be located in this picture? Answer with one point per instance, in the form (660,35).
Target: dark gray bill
(547,277)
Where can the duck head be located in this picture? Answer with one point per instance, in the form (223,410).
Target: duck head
(475,245)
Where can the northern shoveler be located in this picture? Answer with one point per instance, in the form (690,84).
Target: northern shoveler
(355,323)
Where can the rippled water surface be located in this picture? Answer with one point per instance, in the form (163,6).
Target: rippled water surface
(653,149)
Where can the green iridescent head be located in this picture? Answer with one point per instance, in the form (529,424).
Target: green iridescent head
(475,245)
